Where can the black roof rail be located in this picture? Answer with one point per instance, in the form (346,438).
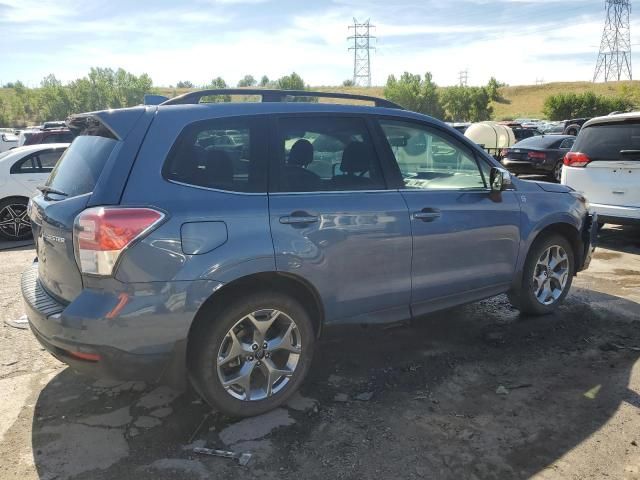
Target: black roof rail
(269,95)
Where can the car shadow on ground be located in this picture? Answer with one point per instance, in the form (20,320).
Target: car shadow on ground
(473,392)
(620,238)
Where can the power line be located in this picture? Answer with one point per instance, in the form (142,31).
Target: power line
(361,52)
(614,58)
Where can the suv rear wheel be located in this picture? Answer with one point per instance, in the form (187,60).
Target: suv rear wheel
(252,355)
(547,278)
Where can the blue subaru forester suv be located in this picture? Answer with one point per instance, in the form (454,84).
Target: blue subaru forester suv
(213,242)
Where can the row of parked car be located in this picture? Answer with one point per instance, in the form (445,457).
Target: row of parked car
(49,132)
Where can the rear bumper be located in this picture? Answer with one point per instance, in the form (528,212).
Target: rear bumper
(524,167)
(136,333)
(616,215)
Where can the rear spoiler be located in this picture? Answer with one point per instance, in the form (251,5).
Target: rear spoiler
(151,99)
(114,124)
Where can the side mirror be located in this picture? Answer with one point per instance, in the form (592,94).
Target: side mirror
(500,179)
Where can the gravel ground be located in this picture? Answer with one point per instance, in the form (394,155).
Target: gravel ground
(475,392)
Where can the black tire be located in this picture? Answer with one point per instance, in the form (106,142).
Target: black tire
(572,129)
(556,174)
(211,334)
(9,208)
(524,298)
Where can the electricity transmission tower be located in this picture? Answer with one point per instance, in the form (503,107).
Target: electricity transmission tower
(361,52)
(463,76)
(614,59)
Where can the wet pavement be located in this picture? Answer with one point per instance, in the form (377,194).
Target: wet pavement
(474,392)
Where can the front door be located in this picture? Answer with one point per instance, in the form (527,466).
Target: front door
(465,239)
(333,221)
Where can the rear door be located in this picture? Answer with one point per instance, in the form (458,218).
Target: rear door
(98,151)
(333,221)
(613,175)
(465,238)
(53,214)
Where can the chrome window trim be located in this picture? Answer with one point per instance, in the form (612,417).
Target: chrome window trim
(219,190)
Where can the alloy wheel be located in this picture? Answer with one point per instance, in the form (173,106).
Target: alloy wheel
(259,355)
(14,221)
(551,275)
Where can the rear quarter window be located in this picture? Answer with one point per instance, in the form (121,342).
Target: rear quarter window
(604,142)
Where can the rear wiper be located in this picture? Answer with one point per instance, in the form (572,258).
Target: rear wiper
(46,190)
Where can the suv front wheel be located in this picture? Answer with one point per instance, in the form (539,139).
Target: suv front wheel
(548,274)
(252,355)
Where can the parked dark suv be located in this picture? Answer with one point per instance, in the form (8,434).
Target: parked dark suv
(216,241)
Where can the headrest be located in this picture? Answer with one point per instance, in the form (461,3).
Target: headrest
(301,153)
(356,158)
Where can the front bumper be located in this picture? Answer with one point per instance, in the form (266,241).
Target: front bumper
(136,333)
(589,241)
(616,215)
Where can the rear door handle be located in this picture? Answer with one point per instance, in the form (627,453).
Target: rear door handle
(298,219)
(427,215)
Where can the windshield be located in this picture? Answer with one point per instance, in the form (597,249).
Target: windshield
(79,168)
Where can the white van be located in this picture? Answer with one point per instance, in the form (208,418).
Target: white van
(604,165)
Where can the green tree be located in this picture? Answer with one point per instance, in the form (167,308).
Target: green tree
(467,104)
(216,84)
(184,84)
(264,81)
(348,83)
(565,106)
(247,81)
(415,93)
(290,82)
(493,88)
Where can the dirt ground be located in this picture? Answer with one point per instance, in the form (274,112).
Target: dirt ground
(476,392)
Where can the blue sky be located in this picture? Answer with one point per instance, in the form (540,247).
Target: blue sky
(518,41)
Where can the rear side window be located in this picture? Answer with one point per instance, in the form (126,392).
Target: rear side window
(79,168)
(40,162)
(605,142)
(323,154)
(223,154)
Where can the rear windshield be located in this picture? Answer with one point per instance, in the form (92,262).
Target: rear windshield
(81,164)
(604,142)
(539,142)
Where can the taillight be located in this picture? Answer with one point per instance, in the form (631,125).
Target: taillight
(101,234)
(537,156)
(576,159)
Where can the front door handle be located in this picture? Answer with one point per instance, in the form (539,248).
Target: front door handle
(298,218)
(427,214)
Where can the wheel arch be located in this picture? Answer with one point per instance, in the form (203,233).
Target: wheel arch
(286,283)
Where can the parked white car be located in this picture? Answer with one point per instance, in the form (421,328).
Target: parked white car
(7,141)
(604,165)
(22,170)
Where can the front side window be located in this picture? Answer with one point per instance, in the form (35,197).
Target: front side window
(326,154)
(219,154)
(428,160)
